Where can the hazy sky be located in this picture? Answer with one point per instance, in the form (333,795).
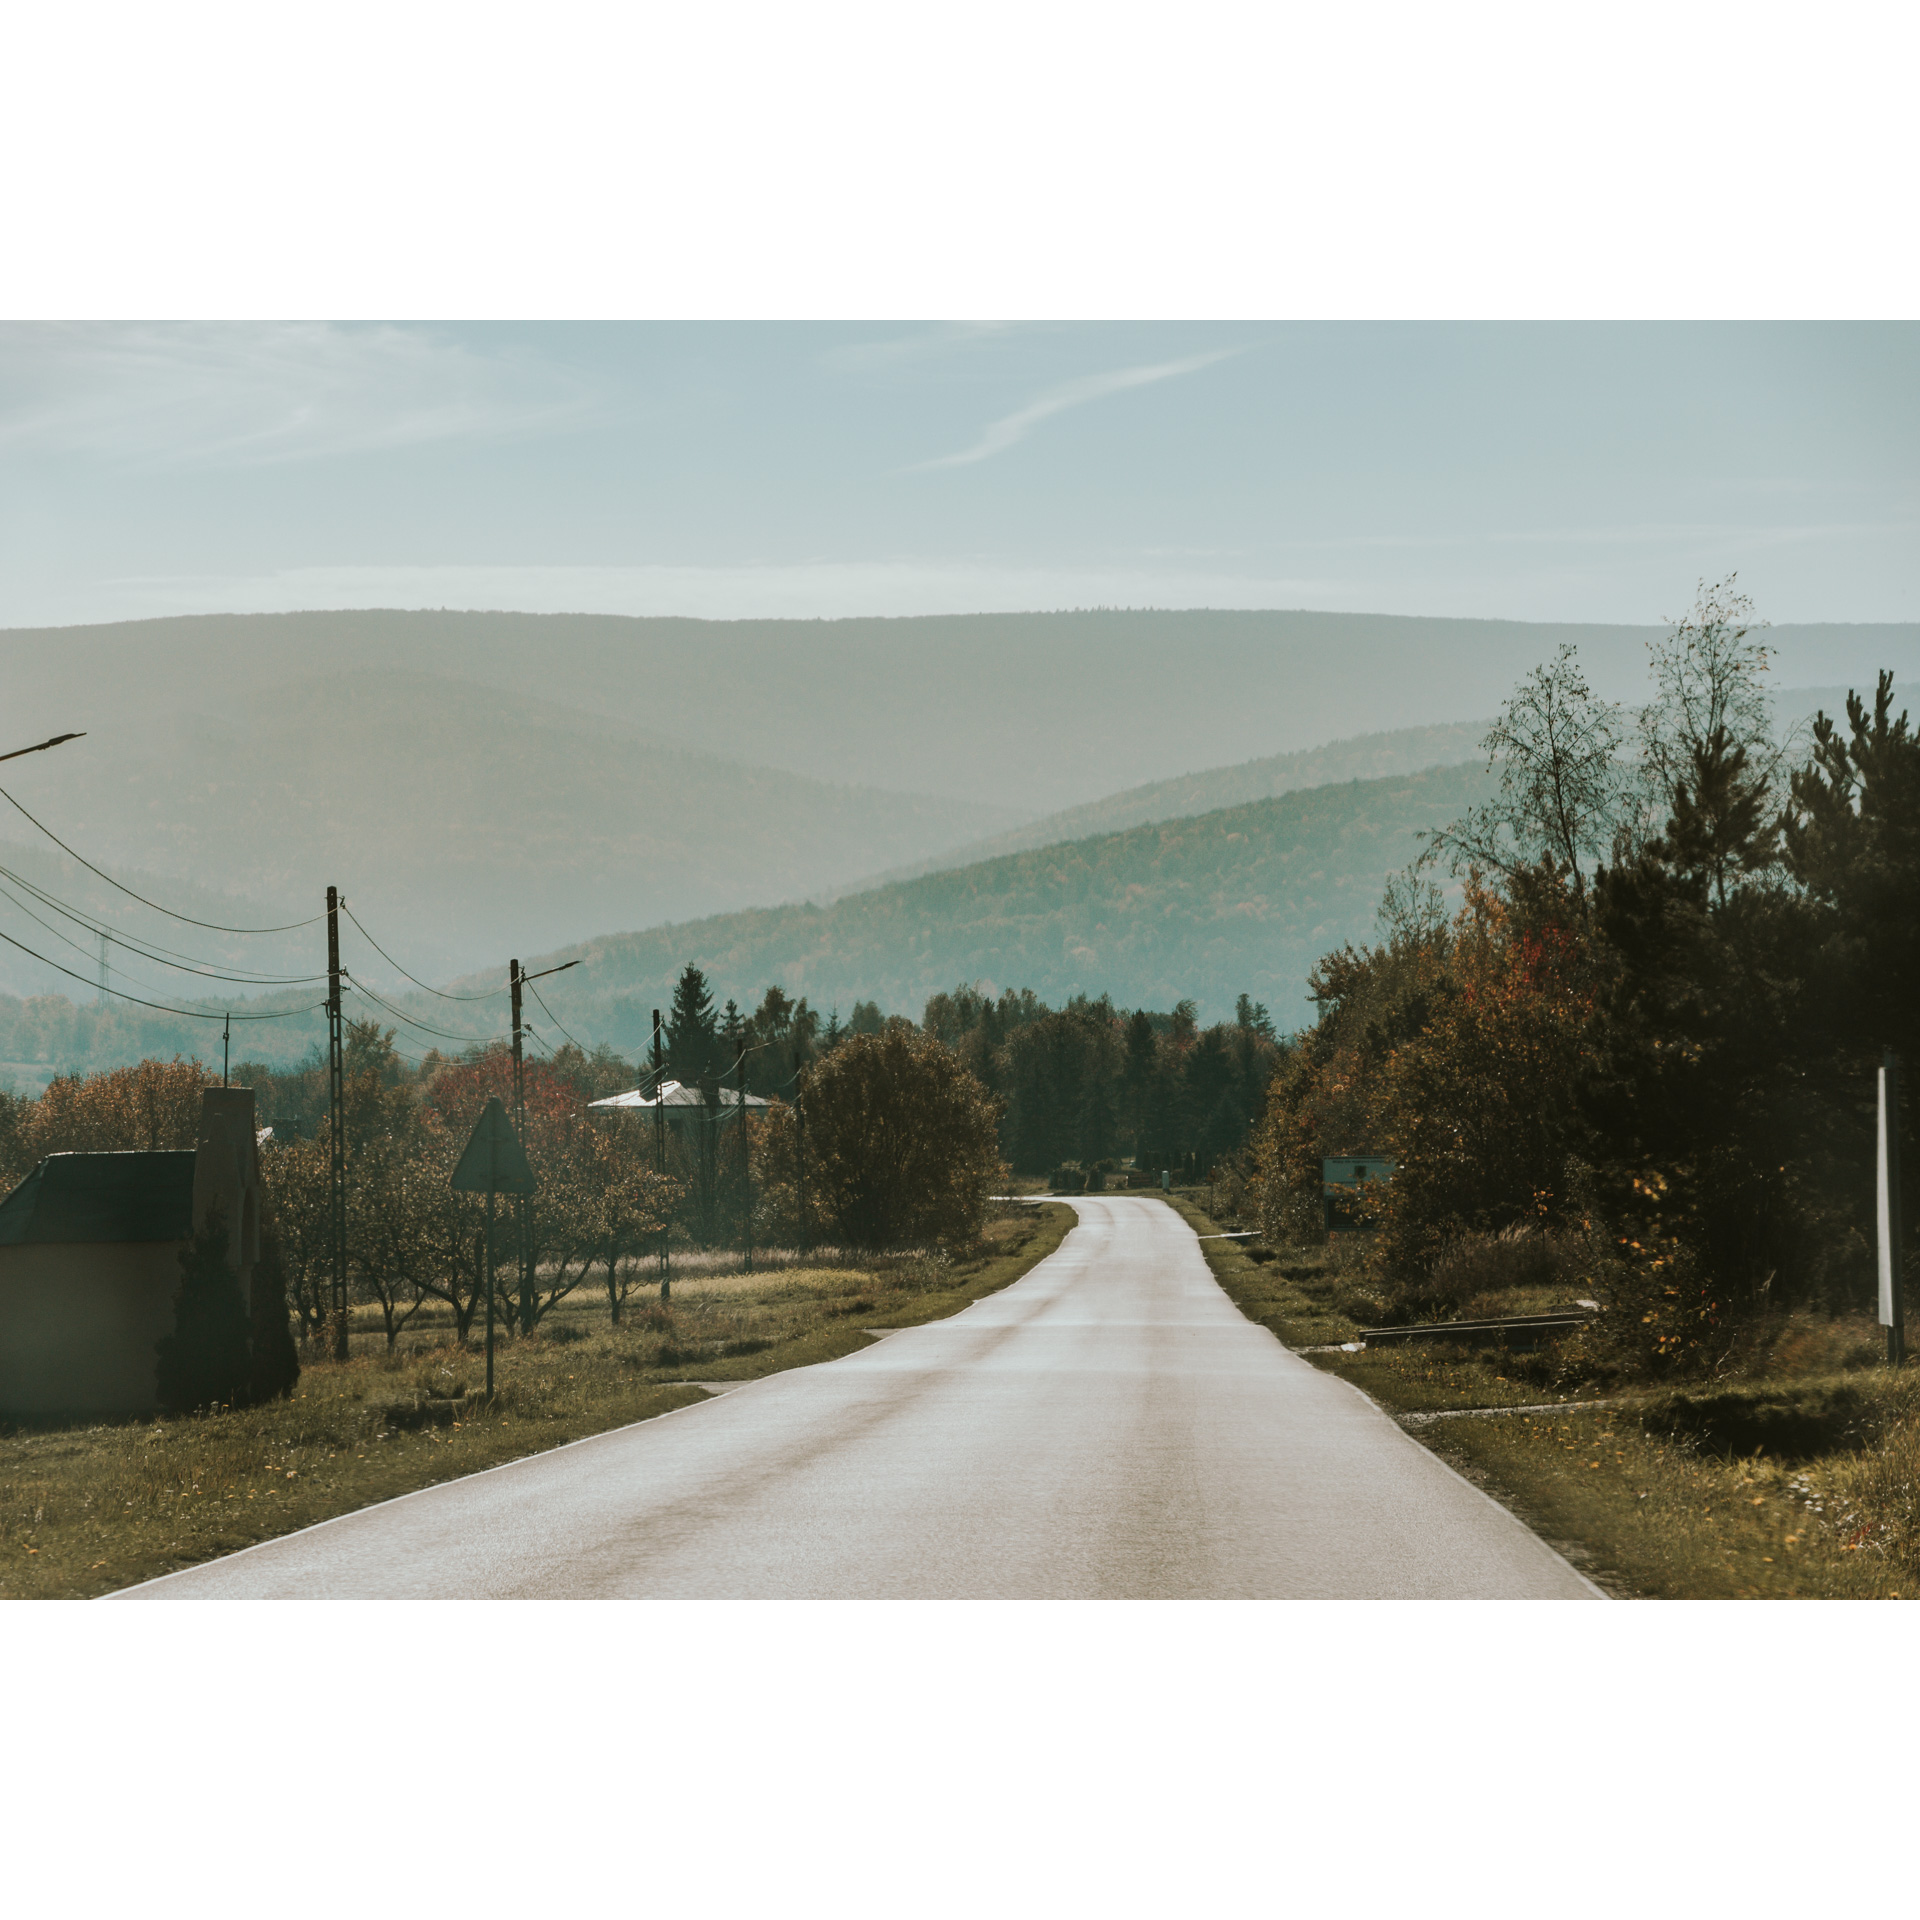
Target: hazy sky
(1546,471)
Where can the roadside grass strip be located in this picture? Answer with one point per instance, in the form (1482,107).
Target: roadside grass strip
(1802,1484)
(87,1509)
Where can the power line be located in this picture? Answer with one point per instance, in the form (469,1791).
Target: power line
(133,946)
(548,1011)
(139,943)
(439,1033)
(212,926)
(493,993)
(185,1013)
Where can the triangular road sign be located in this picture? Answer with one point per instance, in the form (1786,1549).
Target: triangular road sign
(494,1161)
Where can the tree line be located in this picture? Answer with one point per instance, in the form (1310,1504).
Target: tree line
(878,1132)
(1644,1040)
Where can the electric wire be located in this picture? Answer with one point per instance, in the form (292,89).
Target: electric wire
(139,943)
(548,1011)
(492,993)
(186,1013)
(128,945)
(439,1033)
(186,919)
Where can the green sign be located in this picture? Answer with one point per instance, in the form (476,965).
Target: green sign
(494,1161)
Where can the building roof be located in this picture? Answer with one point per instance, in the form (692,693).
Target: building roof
(101,1196)
(674,1094)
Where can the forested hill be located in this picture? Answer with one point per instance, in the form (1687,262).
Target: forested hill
(1240,900)
(1367,756)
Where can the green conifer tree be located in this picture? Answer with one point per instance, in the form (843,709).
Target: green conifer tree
(692,1030)
(207,1360)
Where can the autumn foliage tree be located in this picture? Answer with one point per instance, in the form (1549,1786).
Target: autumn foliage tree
(1659,1066)
(901,1141)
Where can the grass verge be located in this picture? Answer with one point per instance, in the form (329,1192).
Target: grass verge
(1654,1494)
(87,1509)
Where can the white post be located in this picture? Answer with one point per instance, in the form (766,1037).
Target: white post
(1886,1171)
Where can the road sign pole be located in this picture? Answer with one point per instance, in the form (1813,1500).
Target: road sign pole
(493,1162)
(1887,1197)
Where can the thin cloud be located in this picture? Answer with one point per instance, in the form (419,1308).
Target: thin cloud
(1012,428)
(242,395)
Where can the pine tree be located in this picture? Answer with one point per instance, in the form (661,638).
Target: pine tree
(692,1031)
(207,1360)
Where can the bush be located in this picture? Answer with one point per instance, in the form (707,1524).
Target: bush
(1477,1264)
(902,1141)
(275,1364)
(1783,1423)
(207,1360)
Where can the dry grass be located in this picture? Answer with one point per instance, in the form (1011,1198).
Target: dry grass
(1643,1511)
(86,1509)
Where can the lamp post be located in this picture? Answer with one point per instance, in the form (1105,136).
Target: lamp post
(59,739)
(516,979)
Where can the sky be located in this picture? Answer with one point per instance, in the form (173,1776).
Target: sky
(1520,470)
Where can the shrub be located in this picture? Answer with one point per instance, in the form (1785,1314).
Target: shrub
(902,1141)
(207,1360)
(1784,1423)
(275,1362)
(1476,1264)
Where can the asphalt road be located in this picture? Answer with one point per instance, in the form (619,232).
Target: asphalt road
(1110,1427)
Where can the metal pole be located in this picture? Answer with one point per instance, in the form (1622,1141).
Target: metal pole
(515,975)
(336,1130)
(1887,1180)
(226,1045)
(660,1153)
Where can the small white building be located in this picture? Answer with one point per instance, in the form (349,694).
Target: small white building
(678,1101)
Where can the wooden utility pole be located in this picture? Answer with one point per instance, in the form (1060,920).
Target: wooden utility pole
(709,1153)
(799,1162)
(336,1130)
(660,1150)
(524,1249)
(746,1142)
(1887,1197)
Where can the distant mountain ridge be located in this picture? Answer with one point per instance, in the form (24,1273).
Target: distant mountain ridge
(1367,756)
(460,820)
(1032,713)
(1240,900)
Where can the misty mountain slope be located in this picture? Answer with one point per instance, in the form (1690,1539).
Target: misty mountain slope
(1243,899)
(1031,713)
(1369,756)
(460,821)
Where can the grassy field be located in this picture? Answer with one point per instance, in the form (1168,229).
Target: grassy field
(1804,1484)
(86,1509)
